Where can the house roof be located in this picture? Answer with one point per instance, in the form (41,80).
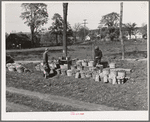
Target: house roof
(18,36)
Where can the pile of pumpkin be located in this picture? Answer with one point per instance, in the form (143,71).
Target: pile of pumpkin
(86,69)
(16,67)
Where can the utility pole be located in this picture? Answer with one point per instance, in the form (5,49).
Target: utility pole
(121,39)
(65,8)
(84,23)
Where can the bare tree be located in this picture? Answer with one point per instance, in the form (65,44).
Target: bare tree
(76,29)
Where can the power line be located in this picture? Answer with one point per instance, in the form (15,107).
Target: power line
(84,22)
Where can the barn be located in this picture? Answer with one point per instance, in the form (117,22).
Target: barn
(18,40)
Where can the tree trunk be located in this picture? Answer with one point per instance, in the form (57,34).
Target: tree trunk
(65,7)
(32,36)
(32,28)
(75,37)
(122,43)
(130,34)
(56,39)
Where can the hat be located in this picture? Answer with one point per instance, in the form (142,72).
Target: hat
(46,49)
(96,47)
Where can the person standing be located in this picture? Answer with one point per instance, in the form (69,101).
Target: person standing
(45,64)
(97,56)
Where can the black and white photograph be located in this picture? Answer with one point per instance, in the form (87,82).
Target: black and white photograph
(79,60)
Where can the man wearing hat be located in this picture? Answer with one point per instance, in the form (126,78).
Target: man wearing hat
(45,64)
(97,56)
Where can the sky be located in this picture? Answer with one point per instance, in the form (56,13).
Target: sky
(134,11)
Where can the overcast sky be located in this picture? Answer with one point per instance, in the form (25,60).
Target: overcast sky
(78,11)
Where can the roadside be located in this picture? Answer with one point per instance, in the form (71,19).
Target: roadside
(12,107)
(62,100)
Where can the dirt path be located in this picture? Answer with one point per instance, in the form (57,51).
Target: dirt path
(62,100)
(18,108)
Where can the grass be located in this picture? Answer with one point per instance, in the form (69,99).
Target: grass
(38,105)
(130,96)
(110,50)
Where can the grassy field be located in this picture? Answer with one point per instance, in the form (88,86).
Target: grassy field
(110,51)
(130,96)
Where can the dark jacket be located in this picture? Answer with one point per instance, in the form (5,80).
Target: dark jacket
(98,54)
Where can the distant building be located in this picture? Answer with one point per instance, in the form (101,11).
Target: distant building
(139,33)
(87,38)
(18,40)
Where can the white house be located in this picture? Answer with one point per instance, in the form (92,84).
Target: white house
(87,38)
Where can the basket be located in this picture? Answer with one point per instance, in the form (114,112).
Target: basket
(82,75)
(73,67)
(88,74)
(106,71)
(91,63)
(69,72)
(51,71)
(8,64)
(64,67)
(105,79)
(12,68)
(77,75)
(58,71)
(114,80)
(92,68)
(112,65)
(84,63)
(113,73)
(63,72)
(97,78)
(20,70)
(121,74)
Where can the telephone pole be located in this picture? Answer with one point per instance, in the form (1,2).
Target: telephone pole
(121,39)
(84,23)
(65,8)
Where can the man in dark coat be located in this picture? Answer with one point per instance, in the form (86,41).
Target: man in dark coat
(45,64)
(97,56)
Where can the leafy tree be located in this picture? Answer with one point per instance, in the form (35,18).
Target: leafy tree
(113,32)
(110,20)
(144,30)
(104,32)
(110,33)
(48,39)
(35,15)
(130,27)
(57,27)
